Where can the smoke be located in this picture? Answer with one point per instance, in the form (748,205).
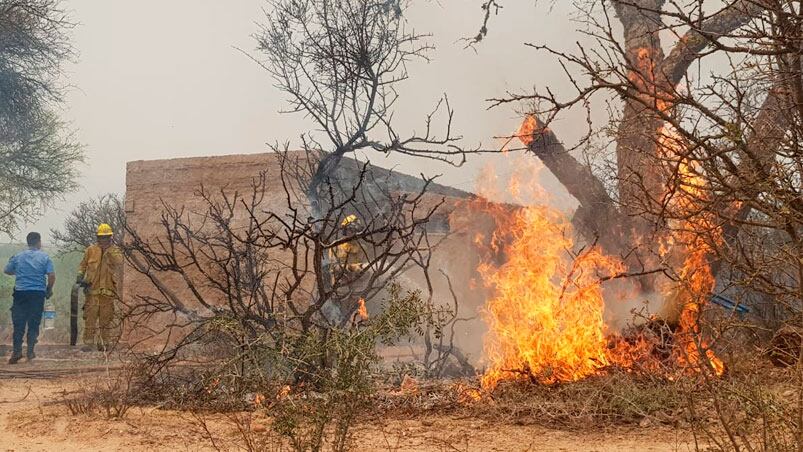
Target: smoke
(627,305)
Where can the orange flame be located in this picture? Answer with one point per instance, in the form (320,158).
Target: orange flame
(362,311)
(546,319)
(466,394)
(650,84)
(527,130)
(687,194)
(546,322)
(283,392)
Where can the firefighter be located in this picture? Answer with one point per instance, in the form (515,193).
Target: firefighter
(346,262)
(98,273)
(349,255)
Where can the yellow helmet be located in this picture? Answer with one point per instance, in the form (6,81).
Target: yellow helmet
(351,219)
(104,230)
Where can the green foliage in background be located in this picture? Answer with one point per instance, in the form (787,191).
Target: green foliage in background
(66,266)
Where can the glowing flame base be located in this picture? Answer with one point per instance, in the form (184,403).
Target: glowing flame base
(546,319)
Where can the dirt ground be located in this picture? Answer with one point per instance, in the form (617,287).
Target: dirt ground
(32,418)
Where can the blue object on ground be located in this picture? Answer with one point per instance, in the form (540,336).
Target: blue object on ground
(729,304)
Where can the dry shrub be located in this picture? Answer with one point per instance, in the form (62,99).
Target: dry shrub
(112,395)
(211,388)
(313,387)
(80,404)
(251,435)
(756,408)
(616,398)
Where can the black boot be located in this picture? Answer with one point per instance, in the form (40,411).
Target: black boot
(31,355)
(15,358)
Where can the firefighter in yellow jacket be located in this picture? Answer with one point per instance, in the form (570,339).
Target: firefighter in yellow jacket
(98,273)
(349,255)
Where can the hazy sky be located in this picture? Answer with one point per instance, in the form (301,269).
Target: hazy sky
(163,78)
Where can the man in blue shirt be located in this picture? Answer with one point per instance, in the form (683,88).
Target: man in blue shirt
(35,277)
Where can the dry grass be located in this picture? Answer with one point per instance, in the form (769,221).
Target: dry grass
(112,394)
(613,399)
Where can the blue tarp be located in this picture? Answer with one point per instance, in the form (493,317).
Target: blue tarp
(729,304)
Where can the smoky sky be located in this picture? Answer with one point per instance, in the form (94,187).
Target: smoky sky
(158,79)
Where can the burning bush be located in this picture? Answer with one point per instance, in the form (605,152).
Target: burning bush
(546,318)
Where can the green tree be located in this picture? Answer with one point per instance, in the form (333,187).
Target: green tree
(38,154)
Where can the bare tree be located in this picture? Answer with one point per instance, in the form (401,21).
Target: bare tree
(80,227)
(681,149)
(340,63)
(37,154)
(243,276)
(269,282)
(267,269)
(699,175)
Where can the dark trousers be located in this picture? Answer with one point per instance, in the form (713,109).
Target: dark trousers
(27,311)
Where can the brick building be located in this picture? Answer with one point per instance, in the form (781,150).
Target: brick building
(150,185)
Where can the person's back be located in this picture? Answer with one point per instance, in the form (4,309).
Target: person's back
(34,279)
(31,266)
(99,269)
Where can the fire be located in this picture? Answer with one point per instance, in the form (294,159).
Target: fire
(527,130)
(546,318)
(283,393)
(466,394)
(362,311)
(649,82)
(686,200)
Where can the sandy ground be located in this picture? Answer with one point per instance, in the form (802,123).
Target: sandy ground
(32,418)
